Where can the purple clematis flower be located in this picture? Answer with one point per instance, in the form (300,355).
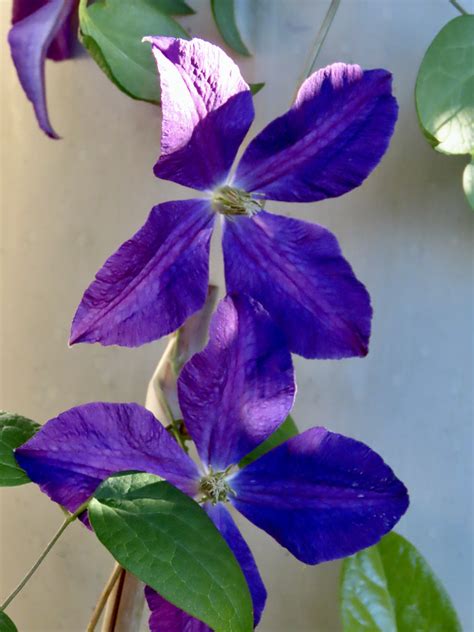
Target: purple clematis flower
(41,29)
(328,142)
(321,495)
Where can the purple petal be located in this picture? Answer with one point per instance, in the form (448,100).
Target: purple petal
(321,495)
(165,617)
(29,41)
(240,388)
(229,531)
(23,8)
(207,110)
(153,282)
(297,272)
(329,141)
(73,453)
(62,46)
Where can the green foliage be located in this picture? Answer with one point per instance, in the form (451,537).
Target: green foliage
(6,624)
(94,51)
(445,89)
(287,430)
(167,540)
(224,16)
(14,431)
(391,588)
(112,32)
(256,87)
(172,7)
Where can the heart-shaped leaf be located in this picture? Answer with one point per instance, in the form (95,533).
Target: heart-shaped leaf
(391,588)
(112,31)
(164,538)
(445,88)
(224,16)
(14,431)
(287,430)
(6,624)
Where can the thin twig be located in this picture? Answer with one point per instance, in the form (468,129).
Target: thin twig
(69,520)
(104,597)
(129,603)
(319,41)
(113,603)
(32,570)
(459,7)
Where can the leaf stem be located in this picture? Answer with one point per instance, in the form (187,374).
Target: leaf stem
(125,605)
(459,7)
(70,518)
(175,431)
(116,573)
(319,41)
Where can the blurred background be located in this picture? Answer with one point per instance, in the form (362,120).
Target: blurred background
(66,206)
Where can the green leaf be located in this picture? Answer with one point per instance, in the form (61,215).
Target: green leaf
(164,538)
(94,51)
(287,430)
(6,624)
(15,430)
(112,31)
(445,88)
(256,87)
(172,7)
(468,183)
(224,16)
(391,588)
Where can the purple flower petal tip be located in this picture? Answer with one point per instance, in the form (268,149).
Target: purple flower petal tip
(297,272)
(329,141)
(73,453)
(321,495)
(63,44)
(30,39)
(207,110)
(153,282)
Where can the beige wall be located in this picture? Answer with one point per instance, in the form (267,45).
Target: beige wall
(66,205)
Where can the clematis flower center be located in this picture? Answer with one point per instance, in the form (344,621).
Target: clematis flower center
(215,488)
(230,201)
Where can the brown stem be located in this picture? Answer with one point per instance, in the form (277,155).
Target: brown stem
(127,606)
(115,575)
(161,397)
(111,611)
(459,7)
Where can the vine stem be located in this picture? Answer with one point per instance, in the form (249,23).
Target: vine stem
(109,586)
(70,518)
(459,7)
(319,41)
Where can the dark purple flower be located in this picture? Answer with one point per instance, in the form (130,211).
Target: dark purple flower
(321,495)
(41,28)
(325,145)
